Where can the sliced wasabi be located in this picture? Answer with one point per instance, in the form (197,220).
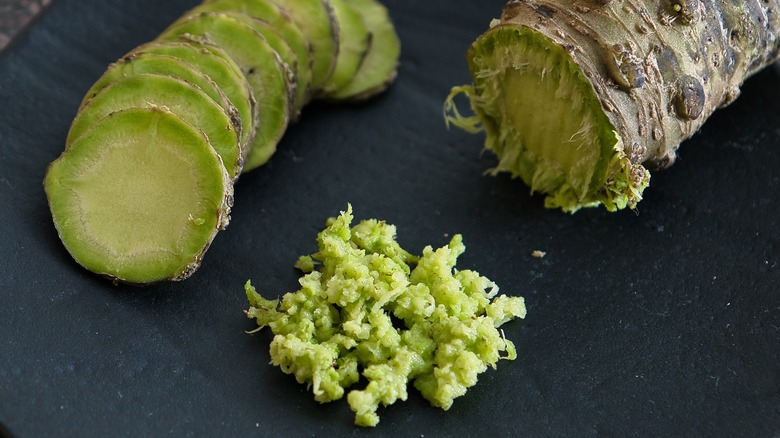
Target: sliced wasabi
(354,43)
(380,65)
(277,42)
(235,73)
(278,19)
(175,196)
(217,65)
(262,67)
(317,21)
(181,98)
(139,63)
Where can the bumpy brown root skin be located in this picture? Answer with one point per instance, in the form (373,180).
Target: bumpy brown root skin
(659,67)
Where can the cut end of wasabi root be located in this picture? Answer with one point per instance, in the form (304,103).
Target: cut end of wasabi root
(368,310)
(544,121)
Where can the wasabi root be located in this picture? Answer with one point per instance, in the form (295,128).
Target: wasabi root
(374,310)
(582,99)
(233,74)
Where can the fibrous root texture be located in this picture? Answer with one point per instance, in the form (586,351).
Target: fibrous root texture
(581,99)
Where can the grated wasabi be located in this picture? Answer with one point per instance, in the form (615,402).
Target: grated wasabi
(374,309)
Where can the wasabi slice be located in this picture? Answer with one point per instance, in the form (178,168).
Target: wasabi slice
(354,43)
(316,19)
(220,68)
(175,196)
(233,72)
(278,19)
(277,42)
(379,68)
(262,67)
(139,63)
(181,98)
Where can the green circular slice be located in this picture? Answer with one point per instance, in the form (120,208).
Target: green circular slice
(217,65)
(140,63)
(315,18)
(262,67)
(354,43)
(140,197)
(180,97)
(279,20)
(380,65)
(277,42)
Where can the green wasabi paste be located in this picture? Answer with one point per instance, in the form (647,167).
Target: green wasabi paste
(373,309)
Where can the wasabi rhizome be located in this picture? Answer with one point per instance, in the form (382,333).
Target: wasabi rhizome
(581,99)
(146,178)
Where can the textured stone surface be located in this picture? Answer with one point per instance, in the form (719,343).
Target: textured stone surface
(16,15)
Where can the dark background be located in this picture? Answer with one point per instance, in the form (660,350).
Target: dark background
(663,321)
(16,15)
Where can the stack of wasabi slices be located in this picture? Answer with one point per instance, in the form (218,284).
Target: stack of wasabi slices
(146,179)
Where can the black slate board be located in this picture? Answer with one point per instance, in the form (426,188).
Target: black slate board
(664,321)
(16,15)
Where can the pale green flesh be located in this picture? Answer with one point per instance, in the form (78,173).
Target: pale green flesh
(314,18)
(139,197)
(548,168)
(379,67)
(272,14)
(544,121)
(277,42)
(189,102)
(218,66)
(354,43)
(262,67)
(140,63)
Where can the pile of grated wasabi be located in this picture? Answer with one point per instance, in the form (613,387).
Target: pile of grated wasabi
(374,310)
